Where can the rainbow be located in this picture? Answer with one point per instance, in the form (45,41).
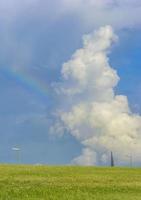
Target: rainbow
(27,80)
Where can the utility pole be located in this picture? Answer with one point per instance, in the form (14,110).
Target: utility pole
(130,160)
(17,153)
(112,160)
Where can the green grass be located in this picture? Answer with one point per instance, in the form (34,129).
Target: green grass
(69,183)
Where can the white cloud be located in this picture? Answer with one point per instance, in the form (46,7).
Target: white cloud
(91,111)
(87,158)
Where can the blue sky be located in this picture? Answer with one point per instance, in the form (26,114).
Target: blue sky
(36,38)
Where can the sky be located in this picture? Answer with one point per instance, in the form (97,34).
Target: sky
(67,69)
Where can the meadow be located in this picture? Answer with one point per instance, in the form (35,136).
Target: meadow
(69,183)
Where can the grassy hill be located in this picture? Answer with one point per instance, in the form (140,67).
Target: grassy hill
(69,183)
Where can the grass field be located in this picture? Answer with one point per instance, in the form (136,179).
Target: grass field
(69,183)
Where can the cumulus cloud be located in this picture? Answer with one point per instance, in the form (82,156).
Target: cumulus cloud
(91,111)
(24,25)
